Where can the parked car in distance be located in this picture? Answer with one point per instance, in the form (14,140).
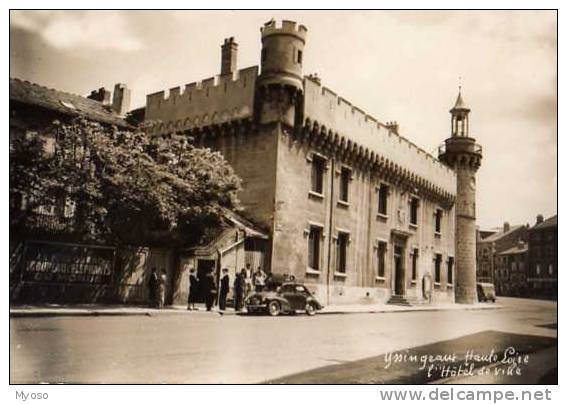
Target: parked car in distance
(486,292)
(289,297)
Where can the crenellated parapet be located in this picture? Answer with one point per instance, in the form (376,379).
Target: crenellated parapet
(285,28)
(352,126)
(357,155)
(212,101)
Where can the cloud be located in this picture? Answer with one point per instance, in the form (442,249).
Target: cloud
(78,30)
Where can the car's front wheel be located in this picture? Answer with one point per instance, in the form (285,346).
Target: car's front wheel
(310,309)
(274,308)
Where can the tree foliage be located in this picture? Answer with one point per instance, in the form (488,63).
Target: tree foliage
(128,187)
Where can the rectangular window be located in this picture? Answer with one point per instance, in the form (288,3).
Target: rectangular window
(381,259)
(342,244)
(383,199)
(414,206)
(299,56)
(314,247)
(317,172)
(437,263)
(414,258)
(438,216)
(345,180)
(450,264)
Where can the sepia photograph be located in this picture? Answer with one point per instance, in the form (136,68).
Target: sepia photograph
(290,197)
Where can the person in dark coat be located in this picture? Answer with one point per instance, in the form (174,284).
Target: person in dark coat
(210,290)
(239,288)
(193,282)
(153,287)
(224,287)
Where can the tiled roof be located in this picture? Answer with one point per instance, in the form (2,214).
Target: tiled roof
(549,222)
(61,102)
(244,224)
(497,236)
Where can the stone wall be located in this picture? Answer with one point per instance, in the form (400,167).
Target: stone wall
(252,155)
(297,209)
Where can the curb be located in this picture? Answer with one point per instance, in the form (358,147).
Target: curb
(100,313)
(156,313)
(411,310)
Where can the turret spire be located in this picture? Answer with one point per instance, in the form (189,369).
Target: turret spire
(460,103)
(460,117)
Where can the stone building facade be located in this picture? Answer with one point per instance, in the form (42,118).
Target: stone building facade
(494,243)
(542,272)
(510,271)
(353,208)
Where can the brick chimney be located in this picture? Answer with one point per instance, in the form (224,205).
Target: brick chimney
(229,53)
(539,219)
(506,227)
(121,99)
(101,95)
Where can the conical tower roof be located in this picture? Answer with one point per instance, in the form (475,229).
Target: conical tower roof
(460,103)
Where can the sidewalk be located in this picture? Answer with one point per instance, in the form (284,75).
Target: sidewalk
(115,310)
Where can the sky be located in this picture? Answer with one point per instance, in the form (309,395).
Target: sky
(395,65)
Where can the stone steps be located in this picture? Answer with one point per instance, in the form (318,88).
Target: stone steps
(398,301)
(408,301)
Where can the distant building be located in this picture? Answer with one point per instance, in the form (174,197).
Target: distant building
(494,243)
(511,271)
(542,273)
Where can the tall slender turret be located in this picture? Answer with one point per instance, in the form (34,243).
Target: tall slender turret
(464,155)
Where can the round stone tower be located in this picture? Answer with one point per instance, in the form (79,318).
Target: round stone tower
(464,155)
(280,83)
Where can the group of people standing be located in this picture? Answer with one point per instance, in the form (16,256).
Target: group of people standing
(245,281)
(208,287)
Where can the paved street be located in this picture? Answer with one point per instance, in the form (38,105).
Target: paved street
(208,348)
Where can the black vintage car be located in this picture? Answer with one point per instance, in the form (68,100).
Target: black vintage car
(289,297)
(485,292)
